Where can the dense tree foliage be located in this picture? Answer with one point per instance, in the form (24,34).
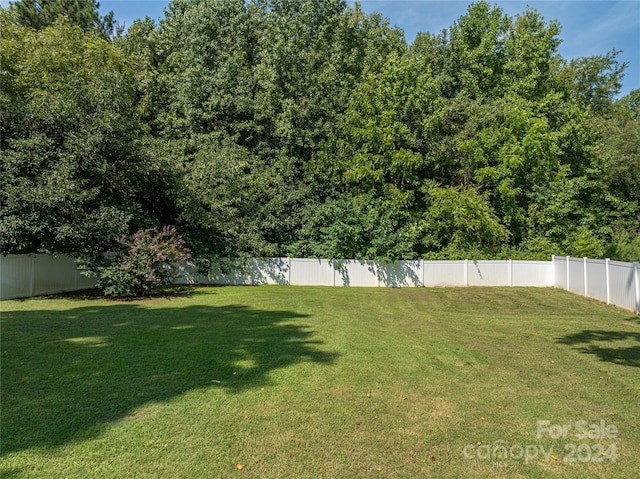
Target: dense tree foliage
(309,128)
(73,174)
(38,14)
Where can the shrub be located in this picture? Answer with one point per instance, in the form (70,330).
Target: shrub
(139,263)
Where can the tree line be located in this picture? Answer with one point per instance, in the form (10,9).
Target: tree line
(309,128)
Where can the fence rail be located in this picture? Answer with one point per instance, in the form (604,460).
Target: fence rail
(613,282)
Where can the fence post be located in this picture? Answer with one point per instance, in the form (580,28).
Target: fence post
(335,270)
(584,273)
(607,279)
(568,261)
(76,277)
(466,272)
(510,272)
(289,272)
(32,279)
(636,275)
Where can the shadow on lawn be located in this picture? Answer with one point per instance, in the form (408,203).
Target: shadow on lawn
(603,345)
(65,374)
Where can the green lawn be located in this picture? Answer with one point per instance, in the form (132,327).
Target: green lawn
(301,382)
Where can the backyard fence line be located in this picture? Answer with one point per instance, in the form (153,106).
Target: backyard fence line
(323,272)
(25,275)
(613,282)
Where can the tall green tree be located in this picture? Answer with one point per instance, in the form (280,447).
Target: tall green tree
(477,120)
(594,81)
(72,174)
(619,149)
(253,88)
(38,14)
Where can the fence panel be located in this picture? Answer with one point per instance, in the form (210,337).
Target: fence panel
(445,273)
(188,275)
(488,273)
(533,273)
(16,272)
(622,285)
(50,270)
(268,271)
(576,275)
(356,273)
(596,279)
(312,272)
(400,274)
(560,271)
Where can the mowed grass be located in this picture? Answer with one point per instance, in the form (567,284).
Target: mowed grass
(296,382)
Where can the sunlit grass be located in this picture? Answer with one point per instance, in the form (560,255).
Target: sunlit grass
(317,383)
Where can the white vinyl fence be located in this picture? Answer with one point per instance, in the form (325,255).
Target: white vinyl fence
(323,272)
(613,282)
(24,275)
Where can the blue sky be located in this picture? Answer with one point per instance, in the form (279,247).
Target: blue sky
(589,27)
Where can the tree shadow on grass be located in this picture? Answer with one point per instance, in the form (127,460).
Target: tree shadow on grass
(618,347)
(66,373)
